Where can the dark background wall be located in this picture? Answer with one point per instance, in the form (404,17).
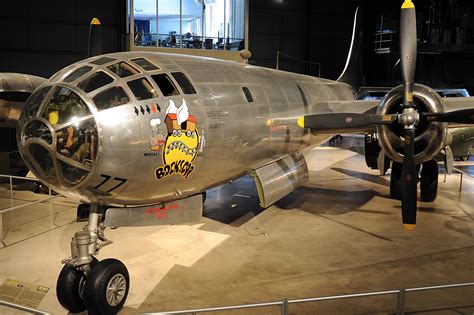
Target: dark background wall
(309,30)
(41,37)
(321,31)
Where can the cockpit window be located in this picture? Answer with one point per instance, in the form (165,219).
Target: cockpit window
(72,174)
(76,74)
(142,89)
(165,84)
(37,129)
(145,64)
(44,161)
(122,69)
(184,82)
(95,81)
(33,103)
(64,106)
(78,142)
(112,97)
(248,94)
(102,61)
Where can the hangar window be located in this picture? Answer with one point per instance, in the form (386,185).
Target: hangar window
(247,94)
(197,24)
(142,89)
(95,81)
(102,61)
(184,82)
(165,84)
(76,74)
(115,96)
(123,69)
(145,64)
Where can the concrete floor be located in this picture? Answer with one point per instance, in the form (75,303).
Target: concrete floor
(338,234)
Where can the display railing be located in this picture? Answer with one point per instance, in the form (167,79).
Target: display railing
(50,198)
(285,304)
(22,308)
(458,169)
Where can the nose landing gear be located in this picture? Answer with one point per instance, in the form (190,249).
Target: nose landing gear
(84,282)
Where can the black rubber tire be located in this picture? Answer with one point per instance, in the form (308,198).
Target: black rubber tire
(68,288)
(96,287)
(429,181)
(395,181)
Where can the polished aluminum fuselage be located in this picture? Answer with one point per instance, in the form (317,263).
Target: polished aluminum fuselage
(235,135)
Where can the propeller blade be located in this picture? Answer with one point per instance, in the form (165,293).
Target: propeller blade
(463,116)
(409,182)
(408,50)
(321,122)
(95,38)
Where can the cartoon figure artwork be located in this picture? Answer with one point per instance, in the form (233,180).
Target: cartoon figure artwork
(182,143)
(158,140)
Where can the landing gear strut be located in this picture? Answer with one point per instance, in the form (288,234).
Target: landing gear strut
(395,181)
(429,181)
(84,282)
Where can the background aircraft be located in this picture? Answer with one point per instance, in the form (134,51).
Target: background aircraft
(140,136)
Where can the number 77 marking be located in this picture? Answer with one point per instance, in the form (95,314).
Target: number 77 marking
(120,180)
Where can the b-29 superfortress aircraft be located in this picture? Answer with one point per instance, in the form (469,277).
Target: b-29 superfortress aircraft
(140,136)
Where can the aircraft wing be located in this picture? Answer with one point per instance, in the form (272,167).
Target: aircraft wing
(351,106)
(458,103)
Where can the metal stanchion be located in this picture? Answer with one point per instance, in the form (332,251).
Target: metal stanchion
(401,302)
(460,182)
(51,209)
(284,307)
(11,191)
(1,227)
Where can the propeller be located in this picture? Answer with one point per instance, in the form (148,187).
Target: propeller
(95,38)
(324,122)
(409,118)
(409,182)
(463,116)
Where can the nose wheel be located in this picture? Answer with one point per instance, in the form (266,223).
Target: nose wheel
(106,287)
(87,284)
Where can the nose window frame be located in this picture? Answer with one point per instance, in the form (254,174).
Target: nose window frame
(97,80)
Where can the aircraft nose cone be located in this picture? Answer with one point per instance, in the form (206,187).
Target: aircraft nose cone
(58,137)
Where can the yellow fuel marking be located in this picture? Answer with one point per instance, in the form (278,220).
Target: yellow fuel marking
(409,227)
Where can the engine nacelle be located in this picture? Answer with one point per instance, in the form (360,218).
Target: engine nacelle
(15,88)
(276,180)
(430,137)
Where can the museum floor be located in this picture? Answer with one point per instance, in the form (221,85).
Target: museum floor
(338,234)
